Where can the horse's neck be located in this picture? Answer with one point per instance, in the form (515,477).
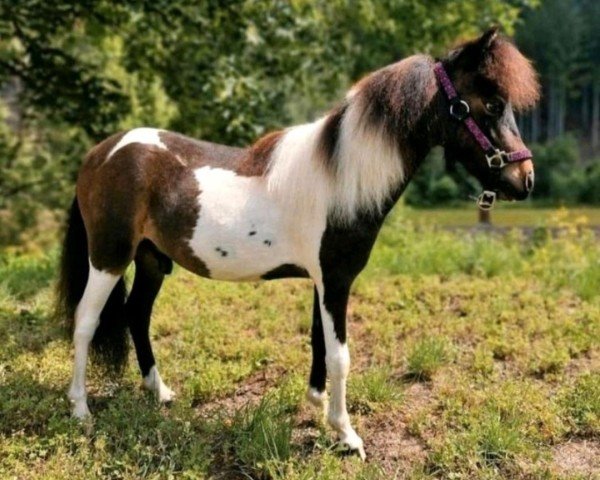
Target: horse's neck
(345,164)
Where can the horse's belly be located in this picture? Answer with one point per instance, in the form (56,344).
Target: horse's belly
(240,234)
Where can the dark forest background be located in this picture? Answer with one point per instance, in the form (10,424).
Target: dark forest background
(72,73)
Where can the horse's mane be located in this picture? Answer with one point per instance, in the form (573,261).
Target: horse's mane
(512,73)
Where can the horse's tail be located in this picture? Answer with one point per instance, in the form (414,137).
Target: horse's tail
(110,344)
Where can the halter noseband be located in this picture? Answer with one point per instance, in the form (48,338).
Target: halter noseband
(497,159)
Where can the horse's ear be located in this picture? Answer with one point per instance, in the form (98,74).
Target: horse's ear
(473,53)
(486,41)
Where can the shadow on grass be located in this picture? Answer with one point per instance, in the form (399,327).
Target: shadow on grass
(28,330)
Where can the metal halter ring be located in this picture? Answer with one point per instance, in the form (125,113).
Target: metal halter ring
(486,200)
(459,109)
(498,159)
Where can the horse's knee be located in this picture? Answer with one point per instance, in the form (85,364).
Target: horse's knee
(338,362)
(316,397)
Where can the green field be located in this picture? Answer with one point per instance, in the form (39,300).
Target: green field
(474,357)
(504,215)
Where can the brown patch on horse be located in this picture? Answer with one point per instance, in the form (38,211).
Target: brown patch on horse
(197,153)
(111,199)
(248,162)
(173,210)
(256,160)
(514,74)
(143,192)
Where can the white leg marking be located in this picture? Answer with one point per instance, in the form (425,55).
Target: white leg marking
(87,317)
(337,359)
(154,383)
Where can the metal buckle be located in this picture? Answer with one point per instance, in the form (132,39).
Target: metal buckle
(459,109)
(486,200)
(498,159)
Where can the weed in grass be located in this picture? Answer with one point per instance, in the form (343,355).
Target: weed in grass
(262,434)
(426,357)
(483,361)
(548,359)
(373,390)
(581,404)
(498,439)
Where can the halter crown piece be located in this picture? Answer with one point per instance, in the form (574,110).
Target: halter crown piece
(497,159)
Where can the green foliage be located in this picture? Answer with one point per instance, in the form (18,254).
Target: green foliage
(561,177)
(25,276)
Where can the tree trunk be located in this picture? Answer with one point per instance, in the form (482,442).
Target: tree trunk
(550,122)
(536,120)
(585,107)
(562,107)
(595,116)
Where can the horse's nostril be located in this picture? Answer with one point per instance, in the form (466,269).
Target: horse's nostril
(529,180)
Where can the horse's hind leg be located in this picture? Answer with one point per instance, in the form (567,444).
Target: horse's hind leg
(150,269)
(87,317)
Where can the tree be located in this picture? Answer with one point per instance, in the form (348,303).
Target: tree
(226,71)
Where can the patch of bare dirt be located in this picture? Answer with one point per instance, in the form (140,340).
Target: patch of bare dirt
(306,427)
(577,457)
(589,362)
(390,445)
(249,392)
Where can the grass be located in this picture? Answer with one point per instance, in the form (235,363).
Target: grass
(474,356)
(503,215)
(426,357)
(582,405)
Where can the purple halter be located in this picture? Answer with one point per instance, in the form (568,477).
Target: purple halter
(497,159)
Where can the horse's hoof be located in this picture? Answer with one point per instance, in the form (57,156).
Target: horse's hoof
(81,411)
(352,444)
(165,395)
(318,399)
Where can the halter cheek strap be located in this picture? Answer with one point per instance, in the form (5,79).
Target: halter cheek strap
(496,158)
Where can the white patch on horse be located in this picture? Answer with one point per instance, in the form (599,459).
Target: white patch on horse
(297,178)
(242,232)
(154,383)
(368,166)
(87,316)
(146,136)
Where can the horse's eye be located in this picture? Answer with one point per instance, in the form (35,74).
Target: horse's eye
(495,107)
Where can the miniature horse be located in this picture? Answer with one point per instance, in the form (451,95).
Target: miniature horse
(307,201)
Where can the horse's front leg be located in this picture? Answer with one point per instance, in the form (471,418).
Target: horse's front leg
(333,300)
(318,374)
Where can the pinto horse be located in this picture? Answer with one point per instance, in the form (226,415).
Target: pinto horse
(307,201)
